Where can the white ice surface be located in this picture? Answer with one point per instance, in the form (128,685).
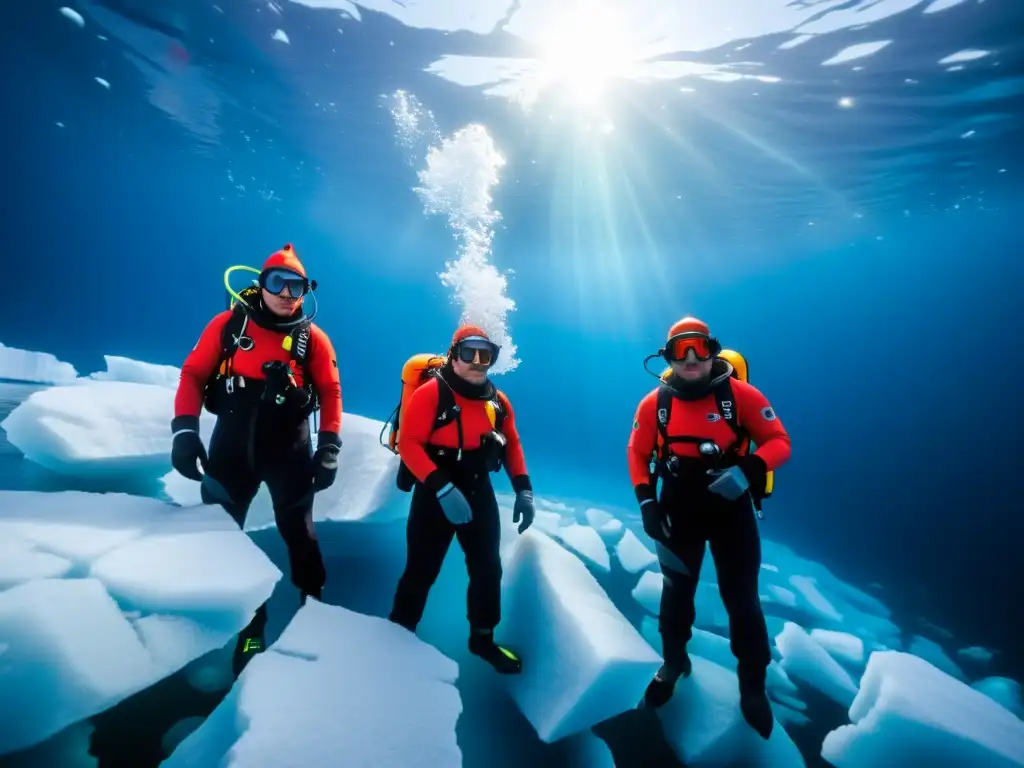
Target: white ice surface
(585,542)
(608,527)
(336,688)
(127,370)
(633,555)
(109,594)
(933,653)
(38,367)
(842,646)
(909,713)
(588,663)
(703,724)
(98,428)
(1003,691)
(804,659)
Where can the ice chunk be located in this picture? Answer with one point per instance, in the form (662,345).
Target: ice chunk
(647,591)
(910,713)
(364,490)
(609,528)
(21,561)
(73,16)
(36,367)
(977,655)
(69,654)
(146,588)
(347,687)
(842,646)
(588,663)
(804,659)
(547,522)
(781,595)
(808,589)
(715,648)
(1005,692)
(770,567)
(127,370)
(96,429)
(553,506)
(932,652)
(859,599)
(103,82)
(585,542)
(633,555)
(704,726)
(280,36)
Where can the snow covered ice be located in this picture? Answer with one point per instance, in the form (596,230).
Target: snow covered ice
(910,713)
(105,595)
(337,688)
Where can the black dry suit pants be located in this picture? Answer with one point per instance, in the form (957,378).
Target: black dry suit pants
(249,448)
(700,518)
(428,536)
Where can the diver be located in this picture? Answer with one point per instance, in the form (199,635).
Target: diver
(263,368)
(694,433)
(455,428)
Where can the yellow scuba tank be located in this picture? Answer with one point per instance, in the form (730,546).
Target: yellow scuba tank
(415,372)
(742,372)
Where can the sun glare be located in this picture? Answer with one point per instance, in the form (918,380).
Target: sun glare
(584,49)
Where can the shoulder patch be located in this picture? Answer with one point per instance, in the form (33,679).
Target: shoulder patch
(768,413)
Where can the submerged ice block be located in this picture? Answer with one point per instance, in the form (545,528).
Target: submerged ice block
(703,724)
(582,660)
(910,713)
(109,594)
(804,659)
(337,688)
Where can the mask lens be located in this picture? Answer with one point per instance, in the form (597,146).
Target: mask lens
(276,281)
(475,352)
(701,346)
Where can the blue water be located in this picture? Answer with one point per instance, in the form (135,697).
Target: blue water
(854,229)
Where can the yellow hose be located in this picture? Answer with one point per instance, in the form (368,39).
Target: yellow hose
(227,281)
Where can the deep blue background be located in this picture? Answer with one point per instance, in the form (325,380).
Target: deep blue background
(886,333)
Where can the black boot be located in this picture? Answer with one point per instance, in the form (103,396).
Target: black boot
(756,709)
(303,595)
(250,641)
(661,688)
(481,643)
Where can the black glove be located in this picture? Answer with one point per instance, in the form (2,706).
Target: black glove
(656,524)
(187,448)
(756,472)
(325,461)
(523,511)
